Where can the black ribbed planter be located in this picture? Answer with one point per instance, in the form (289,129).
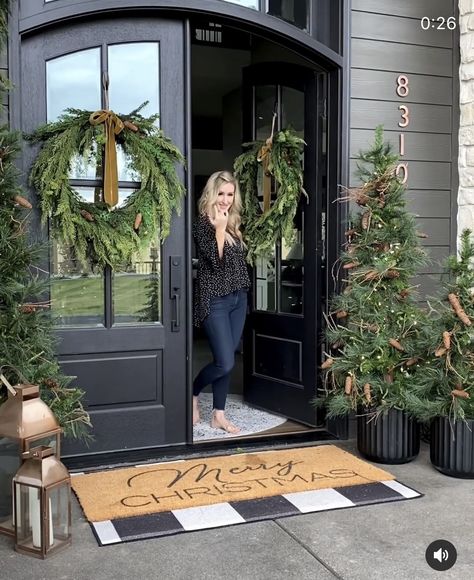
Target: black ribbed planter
(391,438)
(452,447)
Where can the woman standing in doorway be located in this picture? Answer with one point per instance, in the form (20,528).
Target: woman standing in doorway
(220,304)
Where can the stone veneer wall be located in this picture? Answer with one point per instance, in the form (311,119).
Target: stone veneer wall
(466,132)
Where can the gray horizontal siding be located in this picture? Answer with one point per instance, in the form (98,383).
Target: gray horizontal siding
(381,84)
(428,285)
(403,58)
(432,204)
(438,231)
(437,256)
(421,175)
(418,146)
(367,113)
(396,29)
(412,9)
(388,41)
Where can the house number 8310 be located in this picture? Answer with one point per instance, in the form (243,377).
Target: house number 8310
(403,91)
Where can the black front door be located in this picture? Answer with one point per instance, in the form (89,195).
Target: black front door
(282,332)
(120,332)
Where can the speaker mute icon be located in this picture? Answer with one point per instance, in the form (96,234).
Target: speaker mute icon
(441,555)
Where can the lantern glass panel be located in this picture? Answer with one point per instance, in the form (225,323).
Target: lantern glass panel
(28,516)
(59,501)
(51,440)
(9,463)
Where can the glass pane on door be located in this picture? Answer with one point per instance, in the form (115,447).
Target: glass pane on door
(265,274)
(73,81)
(246,3)
(291,263)
(291,275)
(292,11)
(76,292)
(134,79)
(137,288)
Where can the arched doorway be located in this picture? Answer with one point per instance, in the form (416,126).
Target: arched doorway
(137,373)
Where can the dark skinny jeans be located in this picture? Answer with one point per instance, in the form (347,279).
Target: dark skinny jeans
(223,325)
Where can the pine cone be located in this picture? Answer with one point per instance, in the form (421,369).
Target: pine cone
(87,215)
(51,383)
(138,221)
(130,126)
(20,200)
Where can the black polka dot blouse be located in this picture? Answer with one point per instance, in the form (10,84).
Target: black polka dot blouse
(215,276)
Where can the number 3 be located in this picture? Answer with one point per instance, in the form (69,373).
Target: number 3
(405,116)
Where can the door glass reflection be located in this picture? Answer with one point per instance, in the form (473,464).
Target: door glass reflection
(265,284)
(291,269)
(137,288)
(292,11)
(77,292)
(73,81)
(291,275)
(246,3)
(265,275)
(292,110)
(134,79)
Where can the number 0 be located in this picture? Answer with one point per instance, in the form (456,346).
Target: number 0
(402,168)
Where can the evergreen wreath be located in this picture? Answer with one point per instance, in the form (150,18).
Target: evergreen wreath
(97,234)
(281,158)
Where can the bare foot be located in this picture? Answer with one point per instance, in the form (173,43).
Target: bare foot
(219,421)
(196,415)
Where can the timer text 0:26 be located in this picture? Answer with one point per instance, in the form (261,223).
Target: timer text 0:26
(439,23)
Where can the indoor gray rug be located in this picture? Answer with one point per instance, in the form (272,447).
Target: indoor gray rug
(249,419)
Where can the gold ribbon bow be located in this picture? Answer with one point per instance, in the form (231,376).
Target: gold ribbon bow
(263,156)
(113,126)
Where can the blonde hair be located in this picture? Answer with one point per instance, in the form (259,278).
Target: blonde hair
(209,198)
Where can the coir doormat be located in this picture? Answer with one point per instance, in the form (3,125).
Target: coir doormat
(167,498)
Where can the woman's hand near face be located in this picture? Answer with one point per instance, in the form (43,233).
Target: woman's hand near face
(219,219)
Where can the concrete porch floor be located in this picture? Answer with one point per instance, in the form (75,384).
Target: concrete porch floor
(386,541)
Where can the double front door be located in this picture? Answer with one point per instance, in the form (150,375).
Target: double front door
(122,333)
(125,334)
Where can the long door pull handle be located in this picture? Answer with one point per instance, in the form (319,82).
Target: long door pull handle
(175,292)
(175,322)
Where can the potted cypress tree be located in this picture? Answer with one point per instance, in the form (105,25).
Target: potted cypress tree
(444,390)
(373,325)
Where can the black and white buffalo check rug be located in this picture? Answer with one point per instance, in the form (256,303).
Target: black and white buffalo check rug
(153,500)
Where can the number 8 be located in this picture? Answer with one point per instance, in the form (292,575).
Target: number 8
(402,86)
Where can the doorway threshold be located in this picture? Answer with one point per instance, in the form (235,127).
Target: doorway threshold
(207,448)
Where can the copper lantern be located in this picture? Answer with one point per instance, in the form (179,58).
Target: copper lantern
(42,504)
(25,422)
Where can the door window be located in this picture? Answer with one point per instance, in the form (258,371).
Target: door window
(131,294)
(279,277)
(246,3)
(292,11)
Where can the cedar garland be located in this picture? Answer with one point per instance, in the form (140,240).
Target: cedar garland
(96,234)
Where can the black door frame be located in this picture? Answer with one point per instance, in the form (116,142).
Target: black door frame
(127,412)
(337,66)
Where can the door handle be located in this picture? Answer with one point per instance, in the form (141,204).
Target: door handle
(175,322)
(175,292)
